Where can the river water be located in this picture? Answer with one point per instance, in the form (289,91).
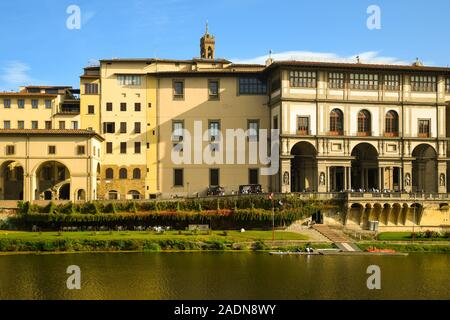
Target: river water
(223,276)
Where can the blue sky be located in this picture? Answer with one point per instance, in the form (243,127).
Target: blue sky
(38,48)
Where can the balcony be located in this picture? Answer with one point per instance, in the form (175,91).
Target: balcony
(391,134)
(364,134)
(69,108)
(335,133)
(424,135)
(303,132)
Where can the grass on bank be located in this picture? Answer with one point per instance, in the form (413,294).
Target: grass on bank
(412,247)
(231,236)
(408,236)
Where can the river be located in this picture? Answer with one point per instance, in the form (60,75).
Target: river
(223,276)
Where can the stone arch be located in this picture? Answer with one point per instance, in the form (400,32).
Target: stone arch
(123,173)
(424,169)
(113,195)
(364,123)
(81,195)
(304,167)
(365,167)
(109,173)
(391,126)
(336,122)
(52,177)
(134,195)
(136,173)
(12,180)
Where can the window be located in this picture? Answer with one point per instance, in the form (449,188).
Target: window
(137,127)
(275,123)
(177,130)
(129,80)
(7,103)
(6,124)
(302,125)
(109,147)
(123,106)
(214,177)
(253,176)
(137,147)
(123,173)
(137,107)
(20,124)
(123,147)
(336,80)
(48,125)
(302,79)
(136,173)
(123,127)
(275,84)
(34,103)
(62,125)
(424,128)
(81,150)
(363,81)
(252,86)
(391,123)
(109,173)
(392,82)
(90,88)
(364,123)
(34,125)
(214,130)
(336,122)
(213,89)
(423,83)
(48,104)
(51,149)
(178,178)
(109,127)
(75,125)
(178,89)
(253,130)
(91,109)
(113,195)
(21,103)
(109,106)
(447,85)
(10,150)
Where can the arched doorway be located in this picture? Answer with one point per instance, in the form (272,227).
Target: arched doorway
(365,167)
(52,181)
(304,168)
(81,195)
(11,181)
(134,195)
(424,169)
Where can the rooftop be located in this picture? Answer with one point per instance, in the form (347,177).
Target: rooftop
(53,132)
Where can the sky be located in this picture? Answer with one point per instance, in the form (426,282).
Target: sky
(37,47)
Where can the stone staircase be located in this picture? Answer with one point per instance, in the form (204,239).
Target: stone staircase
(338,238)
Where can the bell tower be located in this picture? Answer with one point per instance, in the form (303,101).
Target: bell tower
(207,45)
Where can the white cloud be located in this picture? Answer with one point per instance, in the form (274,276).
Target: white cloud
(371,57)
(15,73)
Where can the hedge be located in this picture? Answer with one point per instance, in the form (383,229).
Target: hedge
(217,219)
(183,205)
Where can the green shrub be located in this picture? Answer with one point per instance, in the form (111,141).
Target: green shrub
(259,245)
